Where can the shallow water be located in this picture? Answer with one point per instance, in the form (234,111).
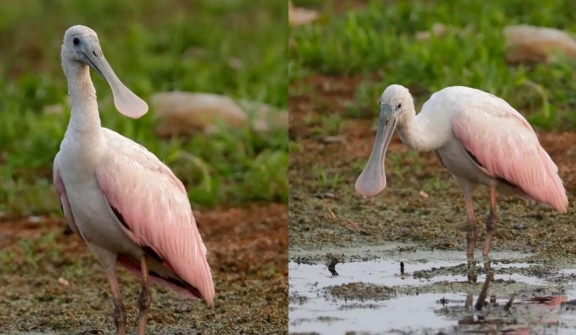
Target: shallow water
(433,301)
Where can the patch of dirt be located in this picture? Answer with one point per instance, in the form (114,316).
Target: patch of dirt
(421,202)
(360,291)
(51,283)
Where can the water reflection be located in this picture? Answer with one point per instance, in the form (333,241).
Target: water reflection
(433,296)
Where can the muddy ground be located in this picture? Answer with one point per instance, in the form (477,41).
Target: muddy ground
(51,284)
(421,204)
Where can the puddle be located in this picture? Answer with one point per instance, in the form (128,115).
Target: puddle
(370,295)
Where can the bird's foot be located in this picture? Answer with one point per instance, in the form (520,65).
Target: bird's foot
(120,318)
(144,304)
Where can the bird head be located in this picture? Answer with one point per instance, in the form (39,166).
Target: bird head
(394,102)
(82,47)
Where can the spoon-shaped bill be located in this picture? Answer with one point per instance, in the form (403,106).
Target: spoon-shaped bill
(372,180)
(125,100)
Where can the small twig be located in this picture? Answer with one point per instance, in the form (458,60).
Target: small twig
(330,213)
(334,139)
(332,267)
(326,195)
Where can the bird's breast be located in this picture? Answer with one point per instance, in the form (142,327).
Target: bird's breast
(93,216)
(459,163)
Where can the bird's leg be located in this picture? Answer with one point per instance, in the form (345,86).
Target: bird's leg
(145,297)
(470,236)
(491,222)
(108,261)
(119,310)
(484,292)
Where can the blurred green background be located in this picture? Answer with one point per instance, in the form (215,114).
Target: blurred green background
(376,41)
(152,46)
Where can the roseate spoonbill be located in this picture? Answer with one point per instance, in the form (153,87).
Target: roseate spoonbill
(118,197)
(479,138)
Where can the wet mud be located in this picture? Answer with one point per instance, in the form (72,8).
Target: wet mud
(430,293)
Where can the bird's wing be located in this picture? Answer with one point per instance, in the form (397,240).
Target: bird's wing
(63,197)
(500,108)
(152,207)
(504,144)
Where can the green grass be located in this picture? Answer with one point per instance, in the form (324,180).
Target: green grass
(326,179)
(379,38)
(153,46)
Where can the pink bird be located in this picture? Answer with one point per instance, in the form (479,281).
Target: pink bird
(479,138)
(118,197)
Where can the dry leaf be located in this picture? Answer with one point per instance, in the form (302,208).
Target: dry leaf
(63,281)
(351,224)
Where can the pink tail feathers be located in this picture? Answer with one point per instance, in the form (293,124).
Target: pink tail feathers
(183,289)
(553,192)
(539,179)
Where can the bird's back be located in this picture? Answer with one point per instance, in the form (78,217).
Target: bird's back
(474,99)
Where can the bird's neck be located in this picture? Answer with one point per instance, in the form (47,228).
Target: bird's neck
(85,119)
(417,132)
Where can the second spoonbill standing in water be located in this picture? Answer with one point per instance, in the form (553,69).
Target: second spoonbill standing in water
(479,138)
(118,197)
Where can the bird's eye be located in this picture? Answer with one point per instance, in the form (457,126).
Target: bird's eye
(399,105)
(76,41)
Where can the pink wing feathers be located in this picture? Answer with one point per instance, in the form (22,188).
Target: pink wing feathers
(506,146)
(153,207)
